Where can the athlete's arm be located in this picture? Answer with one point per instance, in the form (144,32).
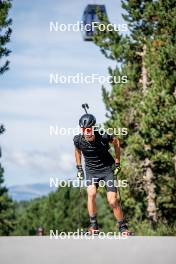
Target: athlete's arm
(80,172)
(78,156)
(116,144)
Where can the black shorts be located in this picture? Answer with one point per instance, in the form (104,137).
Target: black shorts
(103,178)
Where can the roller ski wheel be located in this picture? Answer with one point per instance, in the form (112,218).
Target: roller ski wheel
(92,231)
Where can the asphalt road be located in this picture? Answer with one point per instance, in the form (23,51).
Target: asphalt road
(36,250)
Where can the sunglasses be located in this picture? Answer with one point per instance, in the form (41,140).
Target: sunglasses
(87,130)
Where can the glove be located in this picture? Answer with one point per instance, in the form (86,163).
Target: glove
(117,169)
(80,173)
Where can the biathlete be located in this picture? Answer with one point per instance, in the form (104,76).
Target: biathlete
(98,166)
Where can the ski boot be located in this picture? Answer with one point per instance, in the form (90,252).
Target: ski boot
(123,229)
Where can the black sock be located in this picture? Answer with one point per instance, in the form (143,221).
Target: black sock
(122,225)
(93,221)
(121,222)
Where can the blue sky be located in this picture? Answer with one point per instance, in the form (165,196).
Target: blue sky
(29,104)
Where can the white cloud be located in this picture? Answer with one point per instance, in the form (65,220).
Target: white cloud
(42,162)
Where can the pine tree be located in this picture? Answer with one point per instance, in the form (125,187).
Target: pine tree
(5,33)
(7,215)
(158,110)
(145,105)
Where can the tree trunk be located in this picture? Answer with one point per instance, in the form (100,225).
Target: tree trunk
(148,173)
(143,79)
(150,190)
(174,160)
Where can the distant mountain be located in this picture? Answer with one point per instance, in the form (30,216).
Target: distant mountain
(29,191)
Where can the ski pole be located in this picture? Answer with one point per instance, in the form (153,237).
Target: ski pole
(80,204)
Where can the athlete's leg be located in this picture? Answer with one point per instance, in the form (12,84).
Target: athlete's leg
(91,205)
(91,202)
(115,205)
(111,188)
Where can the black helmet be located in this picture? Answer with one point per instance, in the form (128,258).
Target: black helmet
(87,120)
